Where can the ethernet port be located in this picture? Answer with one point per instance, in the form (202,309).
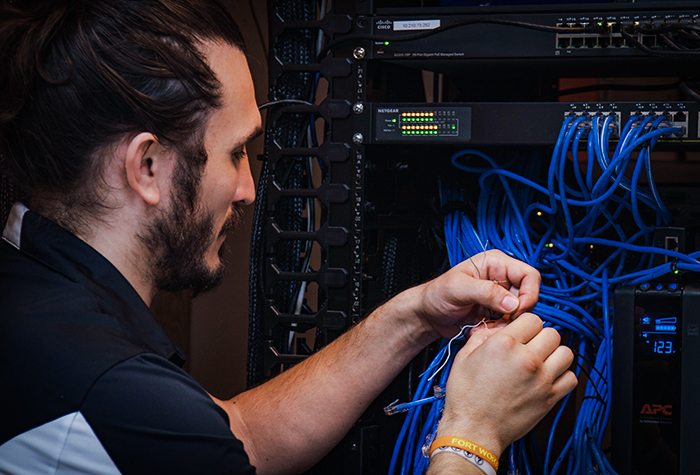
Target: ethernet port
(604,42)
(590,41)
(563,43)
(617,41)
(576,42)
(680,116)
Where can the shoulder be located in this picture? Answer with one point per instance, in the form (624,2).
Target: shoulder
(152,417)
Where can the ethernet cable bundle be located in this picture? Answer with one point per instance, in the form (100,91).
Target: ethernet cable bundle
(588,229)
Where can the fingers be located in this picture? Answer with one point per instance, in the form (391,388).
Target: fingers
(544,343)
(491,295)
(478,336)
(508,286)
(564,384)
(558,362)
(525,328)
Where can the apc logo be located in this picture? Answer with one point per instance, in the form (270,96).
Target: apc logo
(655,409)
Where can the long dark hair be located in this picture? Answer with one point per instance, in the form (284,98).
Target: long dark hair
(76,76)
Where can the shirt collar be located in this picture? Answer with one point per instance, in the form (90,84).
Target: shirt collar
(67,254)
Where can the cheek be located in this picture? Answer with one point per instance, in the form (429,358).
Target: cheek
(222,185)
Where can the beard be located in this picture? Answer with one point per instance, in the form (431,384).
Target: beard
(178,239)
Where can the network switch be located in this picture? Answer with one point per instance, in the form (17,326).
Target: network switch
(510,123)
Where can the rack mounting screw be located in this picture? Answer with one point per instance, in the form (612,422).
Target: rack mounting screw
(358,108)
(358,138)
(358,53)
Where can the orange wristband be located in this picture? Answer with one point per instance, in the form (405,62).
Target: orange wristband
(470,447)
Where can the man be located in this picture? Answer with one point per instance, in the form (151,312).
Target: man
(128,121)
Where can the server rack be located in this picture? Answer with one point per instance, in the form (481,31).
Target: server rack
(373,209)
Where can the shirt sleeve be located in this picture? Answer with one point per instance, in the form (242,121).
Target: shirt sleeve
(151,417)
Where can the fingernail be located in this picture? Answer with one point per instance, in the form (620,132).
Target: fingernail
(510,302)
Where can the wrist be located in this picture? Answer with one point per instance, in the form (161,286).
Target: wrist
(480,435)
(487,465)
(467,449)
(405,311)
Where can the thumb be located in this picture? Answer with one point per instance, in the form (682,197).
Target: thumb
(494,296)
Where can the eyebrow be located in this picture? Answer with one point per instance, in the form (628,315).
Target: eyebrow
(253,135)
(248,138)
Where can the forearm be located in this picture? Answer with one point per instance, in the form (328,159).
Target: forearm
(293,420)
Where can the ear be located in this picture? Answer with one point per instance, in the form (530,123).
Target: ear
(146,167)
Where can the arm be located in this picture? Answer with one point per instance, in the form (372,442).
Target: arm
(290,422)
(502,383)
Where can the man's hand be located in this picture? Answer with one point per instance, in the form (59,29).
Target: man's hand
(487,285)
(503,382)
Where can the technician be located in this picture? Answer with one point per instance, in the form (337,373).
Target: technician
(127,120)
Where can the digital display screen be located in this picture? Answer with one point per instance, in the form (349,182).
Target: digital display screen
(657,334)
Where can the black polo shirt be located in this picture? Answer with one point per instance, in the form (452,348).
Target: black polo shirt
(89,382)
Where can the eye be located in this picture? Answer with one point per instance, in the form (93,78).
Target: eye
(238,155)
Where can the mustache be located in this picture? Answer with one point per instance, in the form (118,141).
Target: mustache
(233,220)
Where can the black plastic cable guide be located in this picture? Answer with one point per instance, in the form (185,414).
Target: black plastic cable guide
(328,152)
(325,235)
(273,358)
(327,193)
(329,68)
(331,24)
(328,109)
(325,277)
(332,320)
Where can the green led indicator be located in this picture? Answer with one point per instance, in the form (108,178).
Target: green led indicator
(386,43)
(393,120)
(454,127)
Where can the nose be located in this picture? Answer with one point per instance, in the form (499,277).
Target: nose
(246,185)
